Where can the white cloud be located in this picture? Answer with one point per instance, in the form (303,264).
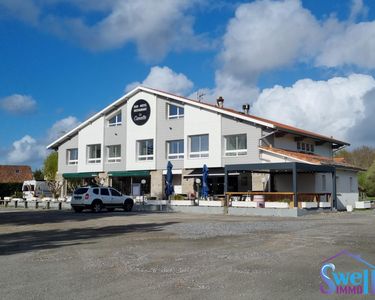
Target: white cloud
(268,35)
(156,27)
(32,151)
(164,78)
(61,127)
(26,150)
(18,104)
(330,107)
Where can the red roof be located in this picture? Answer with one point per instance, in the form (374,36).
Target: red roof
(15,174)
(278,125)
(312,158)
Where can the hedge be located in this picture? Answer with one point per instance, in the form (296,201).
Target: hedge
(8,189)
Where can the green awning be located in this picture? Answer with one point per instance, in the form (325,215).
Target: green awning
(129,173)
(80,175)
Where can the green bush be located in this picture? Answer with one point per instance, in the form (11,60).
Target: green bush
(178,197)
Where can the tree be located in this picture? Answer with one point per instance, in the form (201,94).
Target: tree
(50,171)
(38,174)
(370,181)
(361,157)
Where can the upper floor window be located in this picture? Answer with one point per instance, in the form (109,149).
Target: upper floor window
(145,150)
(305,147)
(116,120)
(236,145)
(72,156)
(175,112)
(114,153)
(94,154)
(198,146)
(175,149)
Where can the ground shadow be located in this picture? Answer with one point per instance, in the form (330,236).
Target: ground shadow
(20,242)
(35,217)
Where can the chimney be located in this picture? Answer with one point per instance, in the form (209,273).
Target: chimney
(246,108)
(220,102)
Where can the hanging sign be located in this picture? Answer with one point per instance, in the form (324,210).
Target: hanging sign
(140,112)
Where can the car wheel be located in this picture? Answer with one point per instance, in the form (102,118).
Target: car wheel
(78,209)
(110,209)
(128,205)
(97,206)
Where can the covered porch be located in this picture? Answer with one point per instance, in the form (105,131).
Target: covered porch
(297,172)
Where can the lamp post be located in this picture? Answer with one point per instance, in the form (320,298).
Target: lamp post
(198,181)
(143,182)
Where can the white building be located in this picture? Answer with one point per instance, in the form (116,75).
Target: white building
(135,137)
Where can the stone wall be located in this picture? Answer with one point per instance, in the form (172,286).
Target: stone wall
(157,184)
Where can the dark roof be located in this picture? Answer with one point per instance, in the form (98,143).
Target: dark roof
(15,174)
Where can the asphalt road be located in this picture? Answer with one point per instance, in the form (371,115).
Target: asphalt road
(63,255)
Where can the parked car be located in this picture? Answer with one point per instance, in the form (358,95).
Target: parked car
(35,188)
(96,198)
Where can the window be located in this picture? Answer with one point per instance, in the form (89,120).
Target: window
(116,120)
(175,149)
(235,145)
(104,192)
(114,153)
(175,112)
(72,156)
(198,146)
(324,183)
(94,154)
(304,147)
(115,193)
(145,150)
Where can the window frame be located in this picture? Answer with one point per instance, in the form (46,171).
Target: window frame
(114,159)
(237,151)
(176,116)
(94,160)
(199,154)
(178,155)
(145,157)
(116,116)
(69,161)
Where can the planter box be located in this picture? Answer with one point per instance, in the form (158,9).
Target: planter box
(211,203)
(182,202)
(244,204)
(276,205)
(324,205)
(156,202)
(309,204)
(363,204)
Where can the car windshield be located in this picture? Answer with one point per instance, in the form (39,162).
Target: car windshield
(80,191)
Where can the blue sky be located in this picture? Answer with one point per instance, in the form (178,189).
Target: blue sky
(306,63)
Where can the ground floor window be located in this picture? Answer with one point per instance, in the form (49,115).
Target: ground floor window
(132,185)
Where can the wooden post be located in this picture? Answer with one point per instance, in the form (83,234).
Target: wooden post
(60,206)
(295,185)
(48,205)
(36,204)
(15,203)
(25,204)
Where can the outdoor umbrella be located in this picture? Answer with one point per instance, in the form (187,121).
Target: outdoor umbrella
(205,181)
(169,181)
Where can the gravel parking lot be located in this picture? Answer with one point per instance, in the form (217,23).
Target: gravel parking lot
(63,255)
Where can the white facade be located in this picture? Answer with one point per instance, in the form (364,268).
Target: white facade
(196,119)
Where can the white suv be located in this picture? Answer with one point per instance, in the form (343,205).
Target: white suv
(96,198)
